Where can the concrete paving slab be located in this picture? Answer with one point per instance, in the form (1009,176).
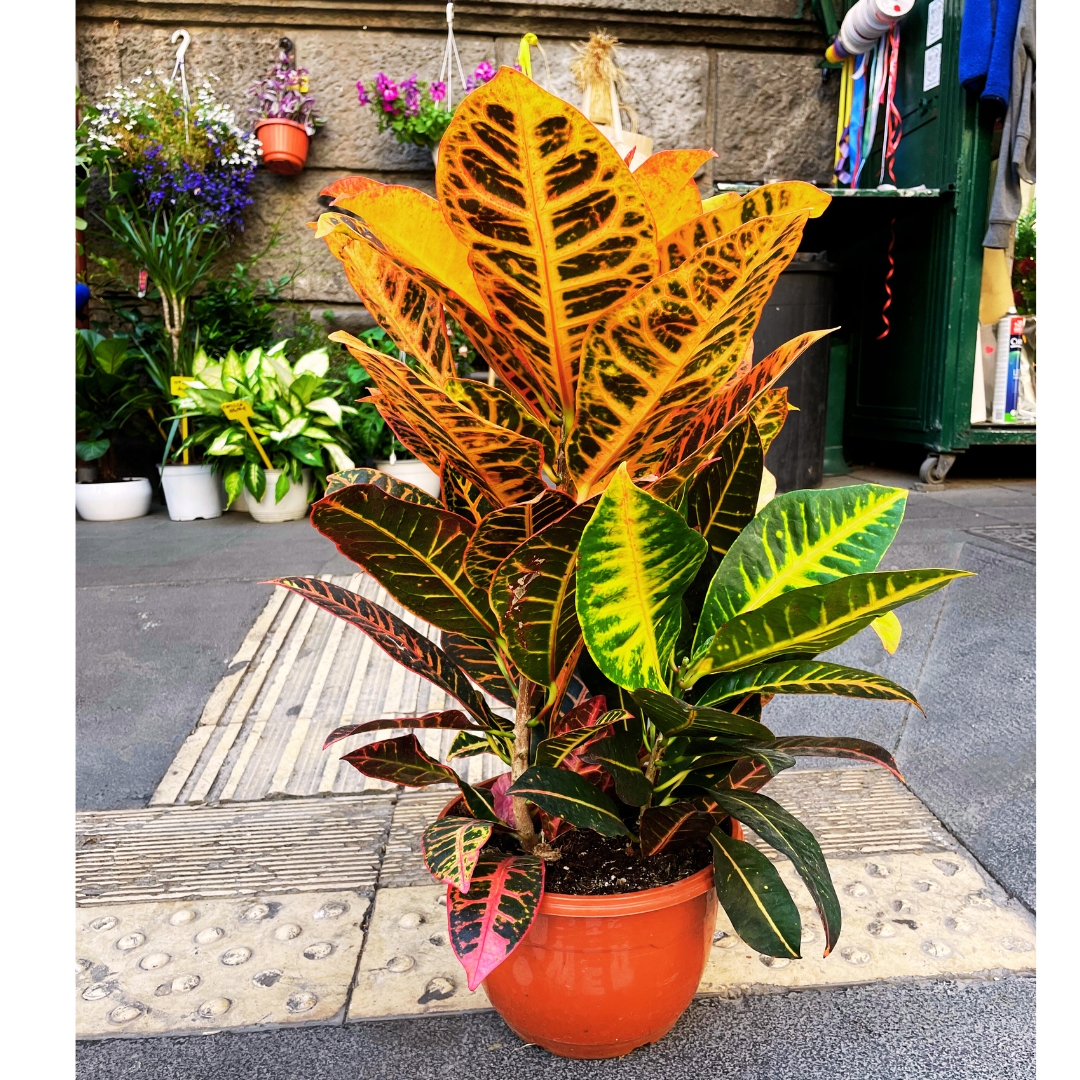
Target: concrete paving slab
(211,964)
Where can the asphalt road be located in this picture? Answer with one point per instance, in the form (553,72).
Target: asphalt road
(928,1031)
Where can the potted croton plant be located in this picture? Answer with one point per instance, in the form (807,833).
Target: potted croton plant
(596,561)
(286,110)
(290,411)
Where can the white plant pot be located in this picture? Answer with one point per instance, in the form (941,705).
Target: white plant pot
(127,498)
(435,153)
(240,503)
(191,491)
(412,472)
(291,508)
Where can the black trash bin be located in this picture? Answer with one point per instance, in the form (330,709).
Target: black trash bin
(801,301)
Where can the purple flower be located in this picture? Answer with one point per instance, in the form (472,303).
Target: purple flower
(438,91)
(484,72)
(362,94)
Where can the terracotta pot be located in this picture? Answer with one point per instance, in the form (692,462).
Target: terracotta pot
(284,145)
(599,976)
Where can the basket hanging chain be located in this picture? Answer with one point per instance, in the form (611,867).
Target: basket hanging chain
(450,57)
(180,67)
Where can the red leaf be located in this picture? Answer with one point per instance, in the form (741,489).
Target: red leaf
(450,719)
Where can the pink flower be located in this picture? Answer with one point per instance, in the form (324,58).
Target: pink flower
(438,91)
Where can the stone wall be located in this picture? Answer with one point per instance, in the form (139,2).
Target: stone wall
(739,76)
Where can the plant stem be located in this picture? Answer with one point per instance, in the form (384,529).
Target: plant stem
(519,762)
(651,767)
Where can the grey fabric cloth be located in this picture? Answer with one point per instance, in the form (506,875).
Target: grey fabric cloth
(1017,159)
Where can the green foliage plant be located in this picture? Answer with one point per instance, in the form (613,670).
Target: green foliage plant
(597,563)
(296,418)
(111,399)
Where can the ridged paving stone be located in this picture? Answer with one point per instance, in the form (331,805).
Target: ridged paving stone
(191,967)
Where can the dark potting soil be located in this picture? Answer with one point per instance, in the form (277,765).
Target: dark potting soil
(593,865)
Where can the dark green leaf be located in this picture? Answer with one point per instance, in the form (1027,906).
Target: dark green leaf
(565,794)
(618,754)
(91,451)
(478,660)
(451,719)
(400,489)
(755,897)
(676,717)
(674,826)
(833,746)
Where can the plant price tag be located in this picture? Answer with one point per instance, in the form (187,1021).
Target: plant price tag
(241,410)
(178,382)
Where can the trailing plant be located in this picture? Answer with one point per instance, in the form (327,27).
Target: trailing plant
(284,92)
(414,111)
(296,419)
(596,562)
(111,399)
(1023,274)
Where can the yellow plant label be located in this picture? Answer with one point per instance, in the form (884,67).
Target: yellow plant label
(178,382)
(237,410)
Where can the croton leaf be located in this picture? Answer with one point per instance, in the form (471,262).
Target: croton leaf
(769,413)
(636,558)
(674,826)
(788,835)
(669,348)
(802,538)
(581,716)
(559,231)
(722,499)
(451,719)
(400,489)
(676,717)
(888,630)
(720,216)
(833,746)
(812,620)
(478,660)
(451,847)
(397,639)
(488,923)
(409,312)
(755,897)
(554,750)
(796,676)
(400,761)
(533,594)
(503,464)
(566,795)
(699,432)
(414,551)
(470,743)
(666,179)
(461,496)
(617,754)
(505,529)
(503,410)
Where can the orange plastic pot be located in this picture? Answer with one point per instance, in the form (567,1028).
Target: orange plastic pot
(599,976)
(284,145)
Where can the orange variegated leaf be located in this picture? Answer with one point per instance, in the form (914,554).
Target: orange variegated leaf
(461,496)
(719,217)
(719,202)
(701,435)
(503,464)
(559,231)
(667,181)
(403,431)
(349,185)
(668,349)
(769,413)
(408,311)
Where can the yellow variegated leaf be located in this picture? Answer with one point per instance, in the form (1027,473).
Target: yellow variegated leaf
(667,181)
(406,309)
(558,230)
(668,349)
(719,202)
(801,539)
(723,214)
(769,413)
(500,408)
(767,491)
(636,558)
(888,629)
(503,464)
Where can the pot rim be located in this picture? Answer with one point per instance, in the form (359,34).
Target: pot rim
(278,120)
(111,483)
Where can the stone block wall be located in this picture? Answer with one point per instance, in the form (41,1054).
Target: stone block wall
(737,76)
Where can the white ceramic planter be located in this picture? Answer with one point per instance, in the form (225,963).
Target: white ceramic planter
(191,491)
(291,508)
(435,153)
(127,498)
(413,472)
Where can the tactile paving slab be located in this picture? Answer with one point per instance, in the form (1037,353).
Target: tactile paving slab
(299,673)
(192,967)
(299,845)
(1017,536)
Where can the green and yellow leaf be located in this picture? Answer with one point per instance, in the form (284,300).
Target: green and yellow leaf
(636,558)
(769,413)
(834,746)
(451,847)
(566,795)
(677,825)
(400,489)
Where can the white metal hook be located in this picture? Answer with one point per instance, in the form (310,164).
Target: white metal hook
(179,66)
(183,46)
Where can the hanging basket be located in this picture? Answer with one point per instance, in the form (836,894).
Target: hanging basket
(284,145)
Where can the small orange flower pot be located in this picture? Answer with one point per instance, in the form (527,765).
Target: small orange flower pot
(284,145)
(599,976)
